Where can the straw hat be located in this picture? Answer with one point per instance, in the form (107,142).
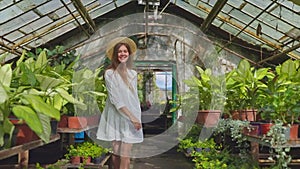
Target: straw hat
(112,43)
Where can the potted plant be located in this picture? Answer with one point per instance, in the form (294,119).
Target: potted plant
(244,87)
(208,91)
(73,154)
(34,92)
(281,98)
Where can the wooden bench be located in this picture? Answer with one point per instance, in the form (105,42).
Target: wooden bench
(23,150)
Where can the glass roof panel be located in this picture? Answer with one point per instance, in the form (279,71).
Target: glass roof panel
(270,31)
(242,17)
(5,3)
(9,13)
(14,35)
(17,23)
(236,3)
(262,4)
(251,10)
(49,7)
(290,5)
(229,28)
(274,22)
(217,22)
(226,8)
(249,38)
(27,5)
(104,2)
(287,15)
(36,25)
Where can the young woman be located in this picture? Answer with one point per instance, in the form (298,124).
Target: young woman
(121,119)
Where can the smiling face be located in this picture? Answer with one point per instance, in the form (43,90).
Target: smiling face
(123,54)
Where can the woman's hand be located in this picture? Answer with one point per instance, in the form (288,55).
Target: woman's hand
(137,125)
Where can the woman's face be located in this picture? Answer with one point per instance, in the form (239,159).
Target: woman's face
(123,54)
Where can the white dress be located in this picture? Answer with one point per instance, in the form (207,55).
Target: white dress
(114,124)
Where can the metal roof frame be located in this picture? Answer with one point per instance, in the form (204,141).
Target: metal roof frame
(272,26)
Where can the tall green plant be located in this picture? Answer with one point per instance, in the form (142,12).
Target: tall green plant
(35,92)
(244,86)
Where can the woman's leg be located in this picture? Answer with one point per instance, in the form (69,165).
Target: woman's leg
(116,154)
(125,155)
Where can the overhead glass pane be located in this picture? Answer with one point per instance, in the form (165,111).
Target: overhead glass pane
(240,16)
(250,39)
(270,31)
(36,25)
(17,23)
(50,7)
(63,11)
(226,8)
(216,22)
(103,10)
(274,22)
(27,5)
(287,15)
(237,23)
(260,3)
(193,2)
(270,41)
(251,10)
(204,6)
(14,35)
(104,2)
(230,29)
(294,33)
(52,35)
(122,2)
(5,3)
(9,13)
(236,3)
(290,5)
(212,2)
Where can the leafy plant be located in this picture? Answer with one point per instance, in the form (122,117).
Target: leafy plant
(208,90)
(244,86)
(35,92)
(281,97)
(276,137)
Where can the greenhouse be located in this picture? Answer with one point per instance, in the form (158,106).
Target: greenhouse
(131,84)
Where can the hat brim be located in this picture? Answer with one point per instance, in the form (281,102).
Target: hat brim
(112,43)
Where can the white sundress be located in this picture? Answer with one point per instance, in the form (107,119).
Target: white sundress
(114,124)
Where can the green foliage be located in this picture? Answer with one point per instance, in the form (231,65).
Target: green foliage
(244,86)
(208,90)
(85,150)
(276,137)
(281,97)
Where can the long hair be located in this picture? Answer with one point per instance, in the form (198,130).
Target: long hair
(119,67)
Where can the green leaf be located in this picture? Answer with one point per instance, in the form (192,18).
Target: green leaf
(47,82)
(27,77)
(3,94)
(41,60)
(45,121)
(40,106)
(68,97)
(31,118)
(6,75)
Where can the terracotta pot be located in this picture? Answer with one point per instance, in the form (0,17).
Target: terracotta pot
(87,160)
(248,114)
(208,118)
(75,160)
(265,127)
(24,134)
(76,122)
(63,123)
(294,132)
